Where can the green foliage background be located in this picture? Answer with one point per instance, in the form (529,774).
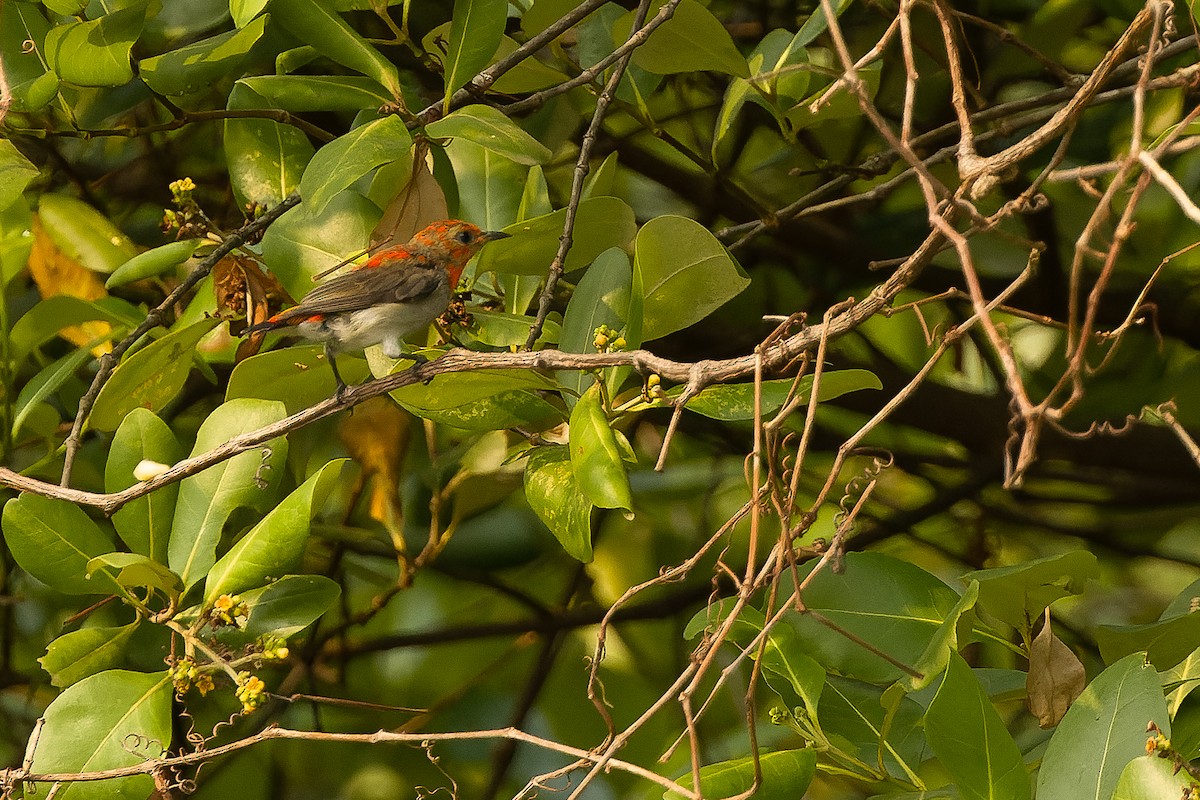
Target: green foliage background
(987,590)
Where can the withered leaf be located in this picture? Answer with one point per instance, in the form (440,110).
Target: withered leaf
(1056,677)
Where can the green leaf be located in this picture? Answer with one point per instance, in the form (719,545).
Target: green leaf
(1152,778)
(817,24)
(208,498)
(786,775)
(15,173)
(685,274)
(970,739)
(153,262)
(96,53)
(89,726)
(490,186)
(498,329)
(489,128)
(843,104)
(896,606)
(275,544)
(83,233)
(48,381)
(265,158)
(946,641)
(601,181)
(475,30)
(301,244)
(860,718)
(555,496)
(1020,593)
(300,93)
(347,158)
(480,401)
(16,243)
(596,457)
(298,377)
(735,401)
(315,22)
(243,11)
(290,604)
(602,223)
(601,298)
(30,81)
(150,378)
(692,40)
(53,540)
(79,654)
(1165,643)
(200,65)
(42,323)
(133,570)
(1103,730)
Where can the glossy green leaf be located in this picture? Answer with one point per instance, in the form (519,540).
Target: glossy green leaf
(475,30)
(347,158)
(842,104)
(298,377)
(1152,778)
(874,730)
(30,80)
(489,128)
(83,233)
(685,274)
(817,23)
(498,329)
(601,180)
(786,775)
(133,570)
(530,75)
(490,186)
(1103,730)
(96,53)
(301,93)
(1020,593)
(48,381)
(275,544)
(896,606)
(15,173)
(42,323)
(208,498)
(316,23)
(1165,642)
(144,524)
(970,740)
(601,298)
(555,496)
(480,401)
(89,726)
(946,641)
(302,244)
(602,223)
(150,378)
(79,654)
(200,65)
(153,262)
(265,158)
(290,604)
(243,11)
(53,540)
(735,401)
(692,40)
(596,458)
(16,243)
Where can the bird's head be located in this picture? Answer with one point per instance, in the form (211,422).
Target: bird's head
(451,243)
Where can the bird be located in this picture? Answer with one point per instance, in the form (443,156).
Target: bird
(398,291)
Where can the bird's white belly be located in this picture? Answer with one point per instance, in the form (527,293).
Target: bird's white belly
(385,324)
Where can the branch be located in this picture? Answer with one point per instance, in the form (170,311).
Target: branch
(108,362)
(460,360)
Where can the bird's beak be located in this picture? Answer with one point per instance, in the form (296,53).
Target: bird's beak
(491,236)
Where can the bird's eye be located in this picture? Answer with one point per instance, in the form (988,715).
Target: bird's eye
(465,237)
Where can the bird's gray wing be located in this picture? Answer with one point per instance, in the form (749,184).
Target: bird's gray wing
(363,288)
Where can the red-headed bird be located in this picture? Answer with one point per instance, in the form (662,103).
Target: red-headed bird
(397,292)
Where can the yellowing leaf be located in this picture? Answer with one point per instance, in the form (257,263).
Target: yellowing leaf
(56,273)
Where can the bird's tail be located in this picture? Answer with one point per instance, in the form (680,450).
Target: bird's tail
(278,321)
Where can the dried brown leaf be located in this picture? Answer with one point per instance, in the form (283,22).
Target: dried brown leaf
(419,203)
(1056,677)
